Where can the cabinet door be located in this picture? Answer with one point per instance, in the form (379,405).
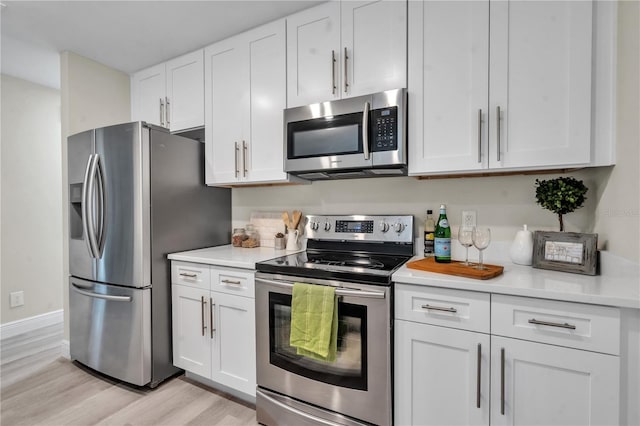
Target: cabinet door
(267,91)
(191,334)
(148,93)
(374,46)
(313,55)
(552,385)
(226,103)
(234,345)
(441,376)
(185,92)
(541,81)
(448,86)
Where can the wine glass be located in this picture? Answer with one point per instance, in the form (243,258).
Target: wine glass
(465,237)
(481,237)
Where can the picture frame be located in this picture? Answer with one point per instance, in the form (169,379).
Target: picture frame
(566,252)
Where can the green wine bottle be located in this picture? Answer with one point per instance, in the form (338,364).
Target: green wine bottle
(442,246)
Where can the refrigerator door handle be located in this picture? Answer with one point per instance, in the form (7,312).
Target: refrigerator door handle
(85,209)
(91,208)
(102,207)
(101,296)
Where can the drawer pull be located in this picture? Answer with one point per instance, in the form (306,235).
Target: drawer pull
(184,274)
(232,282)
(439,308)
(552,324)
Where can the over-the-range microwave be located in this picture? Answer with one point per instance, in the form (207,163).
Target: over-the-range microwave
(357,137)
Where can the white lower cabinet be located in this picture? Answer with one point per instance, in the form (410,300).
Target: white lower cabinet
(441,375)
(214,324)
(539,384)
(447,375)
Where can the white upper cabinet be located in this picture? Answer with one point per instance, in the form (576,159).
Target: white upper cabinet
(245,86)
(171,94)
(502,85)
(344,49)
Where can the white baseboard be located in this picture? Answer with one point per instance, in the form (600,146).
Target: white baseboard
(27,325)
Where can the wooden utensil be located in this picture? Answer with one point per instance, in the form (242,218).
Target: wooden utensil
(297,214)
(285,219)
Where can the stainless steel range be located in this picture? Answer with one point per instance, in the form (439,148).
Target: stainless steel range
(357,255)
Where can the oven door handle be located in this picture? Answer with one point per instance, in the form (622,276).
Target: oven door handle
(340,291)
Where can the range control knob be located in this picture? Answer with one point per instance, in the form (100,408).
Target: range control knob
(313,225)
(327,226)
(384,227)
(399,227)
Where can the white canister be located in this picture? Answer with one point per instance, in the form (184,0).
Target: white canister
(521,251)
(292,240)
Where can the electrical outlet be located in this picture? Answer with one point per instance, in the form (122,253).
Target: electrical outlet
(16,299)
(469,218)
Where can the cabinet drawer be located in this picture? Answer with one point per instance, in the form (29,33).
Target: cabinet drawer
(589,327)
(240,282)
(190,274)
(467,310)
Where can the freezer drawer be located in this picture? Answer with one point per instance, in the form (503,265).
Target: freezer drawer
(110,329)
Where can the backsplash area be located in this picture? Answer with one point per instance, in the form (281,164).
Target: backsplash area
(503,203)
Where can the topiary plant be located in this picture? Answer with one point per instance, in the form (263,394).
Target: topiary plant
(561,195)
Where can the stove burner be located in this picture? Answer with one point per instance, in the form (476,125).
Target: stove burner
(355,262)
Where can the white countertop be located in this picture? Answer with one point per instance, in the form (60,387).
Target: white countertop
(618,284)
(234,257)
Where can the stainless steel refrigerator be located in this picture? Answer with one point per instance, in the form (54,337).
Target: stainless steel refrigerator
(136,194)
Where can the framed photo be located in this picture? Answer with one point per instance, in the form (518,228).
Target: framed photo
(566,251)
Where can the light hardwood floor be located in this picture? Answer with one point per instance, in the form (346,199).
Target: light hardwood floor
(65,393)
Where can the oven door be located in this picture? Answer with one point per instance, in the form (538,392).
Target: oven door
(358,383)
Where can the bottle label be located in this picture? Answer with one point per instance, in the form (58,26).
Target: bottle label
(429,243)
(444,223)
(442,247)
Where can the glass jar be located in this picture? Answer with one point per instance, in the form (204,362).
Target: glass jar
(253,237)
(238,237)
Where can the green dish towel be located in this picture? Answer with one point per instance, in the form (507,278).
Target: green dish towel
(314,321)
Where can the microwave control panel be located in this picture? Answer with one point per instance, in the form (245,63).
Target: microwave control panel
(384,131)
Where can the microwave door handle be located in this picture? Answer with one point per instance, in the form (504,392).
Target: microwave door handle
(365,130)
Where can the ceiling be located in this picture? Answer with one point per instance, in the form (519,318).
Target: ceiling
(131,35)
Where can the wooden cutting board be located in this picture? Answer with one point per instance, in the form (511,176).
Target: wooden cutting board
(456,268)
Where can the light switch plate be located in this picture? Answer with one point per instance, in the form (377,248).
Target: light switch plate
(16,299)
(469,218)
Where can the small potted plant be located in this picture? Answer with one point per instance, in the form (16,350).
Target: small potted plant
(561,195)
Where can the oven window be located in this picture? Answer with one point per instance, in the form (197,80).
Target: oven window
(325,136)
(350,367)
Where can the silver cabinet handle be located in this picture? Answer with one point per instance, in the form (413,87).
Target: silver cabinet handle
(552,324)
(498,130)
(211,316)
(232,282)
(346,84)
(502,381)
(365,130)
(203,303)
(244,159)
(161,112)
(85,205)
(167,111)
(480,136)
(236,156)
(186,275)
(478,384)
(439,308)
(333,72)
(108,297)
